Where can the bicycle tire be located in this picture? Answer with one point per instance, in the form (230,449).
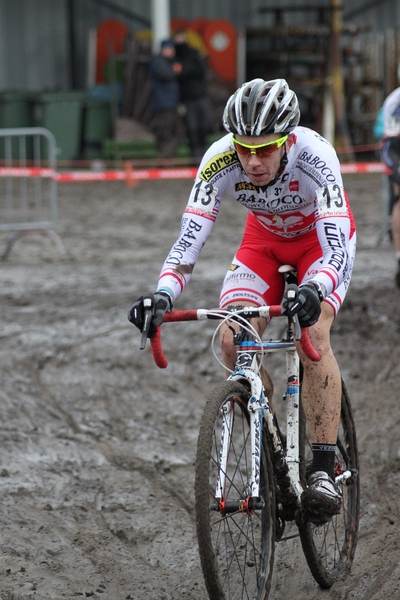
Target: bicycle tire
(329,549)
(236,549)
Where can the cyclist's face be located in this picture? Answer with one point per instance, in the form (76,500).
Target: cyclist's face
(262,169)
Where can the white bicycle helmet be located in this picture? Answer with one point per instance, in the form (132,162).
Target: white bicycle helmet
(260,107)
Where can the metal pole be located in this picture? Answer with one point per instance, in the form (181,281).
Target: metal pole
(328,113)
(241,57)
(71,24)
(342,133)
(160,22)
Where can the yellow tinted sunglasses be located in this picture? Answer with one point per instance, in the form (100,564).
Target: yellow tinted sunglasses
(261,150)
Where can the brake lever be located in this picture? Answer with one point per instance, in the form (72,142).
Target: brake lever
(297,328)
(291,295)
(148,316)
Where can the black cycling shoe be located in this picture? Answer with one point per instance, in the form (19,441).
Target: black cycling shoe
(322,499)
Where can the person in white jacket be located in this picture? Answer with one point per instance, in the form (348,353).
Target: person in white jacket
(391,157)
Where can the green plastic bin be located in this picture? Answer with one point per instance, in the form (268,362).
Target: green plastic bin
(16,110)
(97,127)
(62,114)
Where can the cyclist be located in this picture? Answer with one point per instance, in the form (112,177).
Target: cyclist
(288,178)
(391,157)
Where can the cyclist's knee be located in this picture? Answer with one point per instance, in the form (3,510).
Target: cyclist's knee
(227,346)
(320,332)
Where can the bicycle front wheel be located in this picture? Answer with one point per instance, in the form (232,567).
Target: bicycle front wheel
(329,549)
(236,533)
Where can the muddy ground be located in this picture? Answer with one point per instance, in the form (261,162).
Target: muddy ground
(97,445)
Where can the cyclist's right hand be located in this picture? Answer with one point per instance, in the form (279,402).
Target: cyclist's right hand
(305,302)
(148,311)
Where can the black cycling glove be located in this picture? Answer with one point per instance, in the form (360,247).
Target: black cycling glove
(159,303)
(307,304)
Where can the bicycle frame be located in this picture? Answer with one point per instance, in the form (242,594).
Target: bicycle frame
(248,353)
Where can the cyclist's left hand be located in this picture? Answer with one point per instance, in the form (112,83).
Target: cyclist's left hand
(307,305)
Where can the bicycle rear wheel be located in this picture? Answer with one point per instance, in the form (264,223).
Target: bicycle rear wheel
(236,539)
(329,549)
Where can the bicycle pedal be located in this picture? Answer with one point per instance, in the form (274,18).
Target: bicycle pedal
(352,479)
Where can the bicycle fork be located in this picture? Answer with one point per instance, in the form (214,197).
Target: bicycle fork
(259,409)
(247,369)
(256,408)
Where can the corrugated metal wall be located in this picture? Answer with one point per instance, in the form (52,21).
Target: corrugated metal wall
(35,41)
(33,45)
(378,15)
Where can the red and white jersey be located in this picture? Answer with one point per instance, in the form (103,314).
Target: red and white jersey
(307,197)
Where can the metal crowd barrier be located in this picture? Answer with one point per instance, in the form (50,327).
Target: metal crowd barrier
(28,204)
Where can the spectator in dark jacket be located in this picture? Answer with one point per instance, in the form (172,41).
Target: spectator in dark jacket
(166,122)
(193,94)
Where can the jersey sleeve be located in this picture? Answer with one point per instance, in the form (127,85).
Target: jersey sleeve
(320,174)
(212,183)
(334,226)
(196,225)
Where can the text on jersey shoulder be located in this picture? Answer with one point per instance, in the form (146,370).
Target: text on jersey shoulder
(218,163)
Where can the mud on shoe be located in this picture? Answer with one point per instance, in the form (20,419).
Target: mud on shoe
(322,499)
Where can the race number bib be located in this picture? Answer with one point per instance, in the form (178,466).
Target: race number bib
(331,201)
(202,200)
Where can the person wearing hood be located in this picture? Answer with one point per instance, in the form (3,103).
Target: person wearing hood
(193,94)
(166,123)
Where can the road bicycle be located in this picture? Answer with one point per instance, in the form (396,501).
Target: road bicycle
(250,473)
